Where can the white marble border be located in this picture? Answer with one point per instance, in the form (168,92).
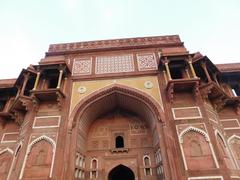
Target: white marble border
(12,141)
(229,128)
(45,117)
(187,117)
(205,177)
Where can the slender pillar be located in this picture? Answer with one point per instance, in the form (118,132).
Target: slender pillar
(206,71)
(26,77)
(187,73)
(215,78)
(36,81)
(65,84)
(59,79)
(167,69)
(192,69)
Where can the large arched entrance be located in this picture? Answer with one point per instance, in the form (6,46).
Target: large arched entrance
(121,172)
(116,125)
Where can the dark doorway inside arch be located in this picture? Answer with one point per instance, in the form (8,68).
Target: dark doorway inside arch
(121,173)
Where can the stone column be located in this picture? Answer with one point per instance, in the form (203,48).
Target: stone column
(59,79)
(36,81)
(191,67)
(26,78)
(167,68)
(215,79)
(206,71)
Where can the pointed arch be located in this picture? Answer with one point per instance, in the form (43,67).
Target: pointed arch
(217,132)
(19,145)
(6,150)
(145,98)
(6,168)
(104,100)
(94,160)
(146,160)
(206,137)
(226,147)
(119,170)
(231,150)
(43,137)
(191,128)
(232,137)
(49,140)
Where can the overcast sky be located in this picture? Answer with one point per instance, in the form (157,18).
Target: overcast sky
(29,26)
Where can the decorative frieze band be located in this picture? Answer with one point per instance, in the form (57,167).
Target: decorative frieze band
(114,64)
(114,43)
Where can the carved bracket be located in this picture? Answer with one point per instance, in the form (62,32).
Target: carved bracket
(35,103)
(219,103)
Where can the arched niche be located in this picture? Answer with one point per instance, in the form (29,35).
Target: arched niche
(234,144)
(115,98)
(224,150)
(146,103)
(6,156)
(197,150)
(39,159)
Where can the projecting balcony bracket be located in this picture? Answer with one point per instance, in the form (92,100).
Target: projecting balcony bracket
(213,92)
(6,111)
(176,85)
(119,150)
(21,102)
(54,94)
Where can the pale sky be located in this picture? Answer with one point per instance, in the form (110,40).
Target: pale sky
(29,26)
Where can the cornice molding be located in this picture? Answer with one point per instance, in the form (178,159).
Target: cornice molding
(114,44)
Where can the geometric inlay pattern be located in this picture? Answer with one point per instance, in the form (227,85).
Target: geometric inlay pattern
(146,61)
(82,66)
(114,64)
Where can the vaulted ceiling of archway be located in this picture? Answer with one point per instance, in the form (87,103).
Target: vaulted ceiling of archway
(109,103)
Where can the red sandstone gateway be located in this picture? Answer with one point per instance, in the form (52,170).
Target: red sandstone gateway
(122,109)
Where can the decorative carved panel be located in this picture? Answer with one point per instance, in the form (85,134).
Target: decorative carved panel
(186,113)
(46,122)
(82,66)
(137,128)
(146,61)
(114,64)
(235,148)
(197,151)
(5,162)
(224,151)
(9,137)
(39,161)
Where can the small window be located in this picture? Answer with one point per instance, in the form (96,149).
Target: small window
(94,166)
(77,159)
(146,161)
(147,165)
(76,173)
(119,142)
(148,171)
